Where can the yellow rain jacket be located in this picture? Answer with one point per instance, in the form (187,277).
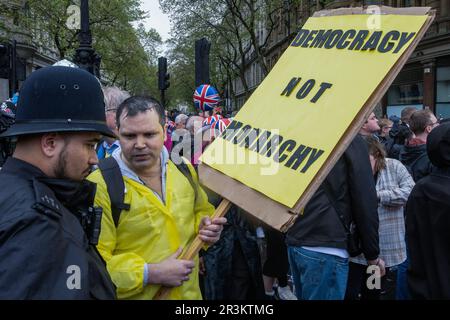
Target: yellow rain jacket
(150,232)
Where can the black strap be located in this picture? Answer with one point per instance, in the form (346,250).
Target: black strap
(116,187)
(183,167)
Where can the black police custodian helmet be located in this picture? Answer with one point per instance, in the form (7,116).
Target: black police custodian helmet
(60,99)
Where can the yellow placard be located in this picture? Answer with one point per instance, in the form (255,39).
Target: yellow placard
(287,129)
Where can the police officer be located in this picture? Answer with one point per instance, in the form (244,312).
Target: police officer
(48,227)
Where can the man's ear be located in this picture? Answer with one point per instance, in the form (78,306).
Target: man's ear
(364,125)
(50,144)
(165,131)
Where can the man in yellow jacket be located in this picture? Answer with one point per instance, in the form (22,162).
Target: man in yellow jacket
(165,213)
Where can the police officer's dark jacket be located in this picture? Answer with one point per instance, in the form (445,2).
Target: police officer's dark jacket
(44,250)
(351,184)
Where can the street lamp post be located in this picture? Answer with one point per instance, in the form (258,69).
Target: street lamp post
(14,67)
(85,56)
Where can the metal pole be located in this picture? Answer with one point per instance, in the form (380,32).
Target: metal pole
(14,67)
(85,56)
(163,98)
(86,38)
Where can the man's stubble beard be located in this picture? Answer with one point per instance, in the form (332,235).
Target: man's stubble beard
(61,166)
(62,169)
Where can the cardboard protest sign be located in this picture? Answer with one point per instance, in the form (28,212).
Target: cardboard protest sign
(298,122)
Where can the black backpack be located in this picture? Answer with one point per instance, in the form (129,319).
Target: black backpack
(115,185)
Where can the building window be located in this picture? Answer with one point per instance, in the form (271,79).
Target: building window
(409,3)
(373,2)
(406,91)
(443,92)
(404,95)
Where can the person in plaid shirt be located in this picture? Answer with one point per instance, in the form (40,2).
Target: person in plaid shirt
(393,185)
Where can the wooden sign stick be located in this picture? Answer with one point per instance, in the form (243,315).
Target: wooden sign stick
(194,247)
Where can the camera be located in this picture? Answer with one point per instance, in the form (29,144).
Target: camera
(91,222)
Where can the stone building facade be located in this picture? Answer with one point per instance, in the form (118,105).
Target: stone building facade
(424,82)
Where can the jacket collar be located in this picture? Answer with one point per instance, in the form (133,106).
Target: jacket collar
(127,172)
(72,194)
(22,168)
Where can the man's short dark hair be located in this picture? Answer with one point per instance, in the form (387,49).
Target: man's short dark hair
(137,104)
(419,120)
(406,114)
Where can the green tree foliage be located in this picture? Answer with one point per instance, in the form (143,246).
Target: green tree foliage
(128,53)
(181,58)
(239,31)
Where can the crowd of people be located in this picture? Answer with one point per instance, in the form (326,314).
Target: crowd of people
(99,190)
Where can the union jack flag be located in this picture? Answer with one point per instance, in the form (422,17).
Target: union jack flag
(170,126)
(8,108)
(206,97)
(219,126)
(211,120)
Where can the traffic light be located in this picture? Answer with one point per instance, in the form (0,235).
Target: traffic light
(5,60)
(202,48)
(166,80)
(163,76)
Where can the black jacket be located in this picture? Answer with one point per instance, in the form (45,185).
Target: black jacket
(415,159)
(43,246)
(6,149)
(236,249)
(398,136)
(6,144)
(428,235)
(233,264)
(352,185)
